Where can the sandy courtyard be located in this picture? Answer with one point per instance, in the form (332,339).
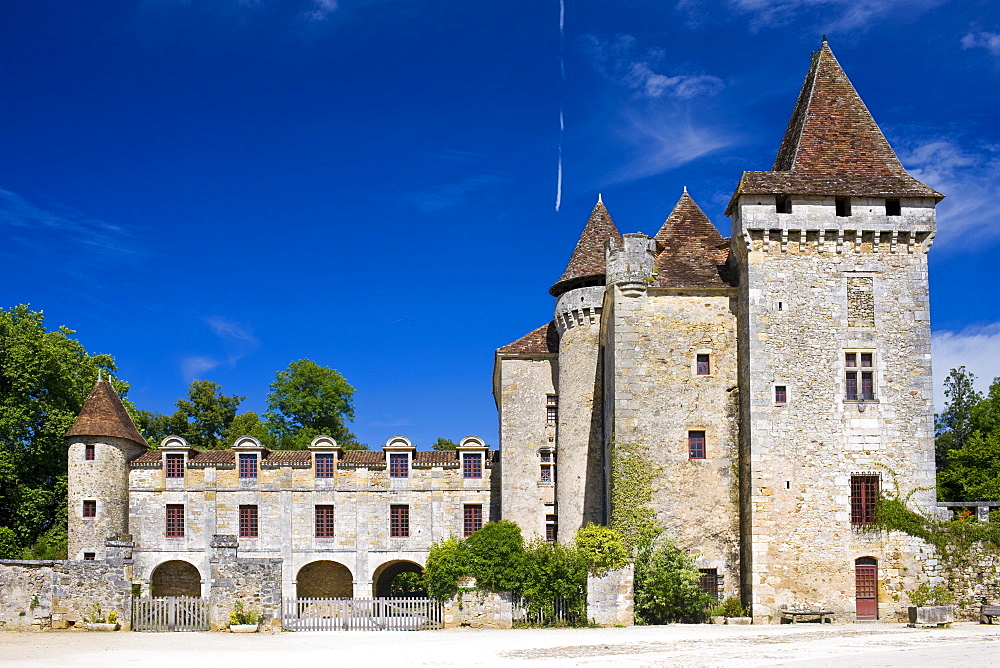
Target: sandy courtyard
(840,646)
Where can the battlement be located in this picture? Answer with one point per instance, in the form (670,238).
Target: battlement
(579,308)
(631,262)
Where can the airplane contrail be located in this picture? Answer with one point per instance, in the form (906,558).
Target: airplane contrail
(562,124)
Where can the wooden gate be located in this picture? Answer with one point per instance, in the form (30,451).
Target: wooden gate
(866,588)
(169,613)
(361,614)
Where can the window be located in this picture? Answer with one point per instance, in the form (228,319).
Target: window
(89,556)
(175,520)
(324,521)
(88,452)
(703,368)
(248,466)
(696,445)
(472,465)
(893,208)
(399,465)
(710,582)
(472,520)
(175,466)
(324,466)
(399,521)
(551,409)
(859,376)
(782,204)
(548,467)
(248,521)
(780,394)
(843,206)
(90,508)
(864,495)
(551,528)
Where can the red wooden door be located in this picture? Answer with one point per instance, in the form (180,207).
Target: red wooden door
(866,588)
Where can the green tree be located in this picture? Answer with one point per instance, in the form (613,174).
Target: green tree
(972,472)
(954,425)
(602,547)
(308,400)
(494,555)
(446,562)
(45,376)
(549,571)
(245,424)
(667,587)
(202,419)
(443,444)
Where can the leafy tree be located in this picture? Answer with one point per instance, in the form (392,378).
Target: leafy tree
(602,547)
(973,470)
(245,424)
(407,583)
(308,400)
(446,563)
(955,424)
(667,587)
(443,444)
(494,555)
(45,376)
(202,419)
(548,571)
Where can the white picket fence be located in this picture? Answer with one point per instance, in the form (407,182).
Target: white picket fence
(361,614)
(562,612)
(170,613)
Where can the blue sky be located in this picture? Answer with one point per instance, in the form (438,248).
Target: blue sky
(214,188)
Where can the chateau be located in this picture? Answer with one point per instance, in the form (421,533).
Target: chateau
(771,383)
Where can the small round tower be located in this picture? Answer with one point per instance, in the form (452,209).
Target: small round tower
(102,441)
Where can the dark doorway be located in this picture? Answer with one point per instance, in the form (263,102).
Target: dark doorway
(175,578)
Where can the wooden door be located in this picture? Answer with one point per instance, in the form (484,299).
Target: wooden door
(866,588)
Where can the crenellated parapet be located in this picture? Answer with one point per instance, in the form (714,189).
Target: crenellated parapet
(579,308)
(631,263)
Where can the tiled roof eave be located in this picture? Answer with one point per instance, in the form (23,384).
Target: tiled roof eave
(714,290)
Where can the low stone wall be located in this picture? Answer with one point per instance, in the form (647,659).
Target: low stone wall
(974,578)
(256,582)
(479,611)
(25,595)
(610,599)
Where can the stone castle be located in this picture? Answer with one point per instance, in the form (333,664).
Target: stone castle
(771,383)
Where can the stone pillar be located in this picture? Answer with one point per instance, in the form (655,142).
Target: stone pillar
(610,599)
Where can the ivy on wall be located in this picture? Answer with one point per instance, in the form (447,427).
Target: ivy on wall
(632,514)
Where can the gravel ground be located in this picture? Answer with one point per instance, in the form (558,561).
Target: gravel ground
(833,646)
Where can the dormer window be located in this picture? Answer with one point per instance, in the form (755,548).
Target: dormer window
(472,465)
(399,465)
(893,207)
(782,204)
(324,465)
(843,205)
(248,466)
(175,466)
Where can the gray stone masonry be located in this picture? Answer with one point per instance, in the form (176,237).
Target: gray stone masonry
(256,582)
(479,610)
(610,600)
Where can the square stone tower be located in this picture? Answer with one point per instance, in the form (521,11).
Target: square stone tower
(834,354)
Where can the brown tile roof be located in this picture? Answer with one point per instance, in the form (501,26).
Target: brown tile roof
(435,458)
(545,339)
(833,146)
(213,458)
(691,252)
(150,457)
(287,457)
(363,458)
(587,260)
(103,414)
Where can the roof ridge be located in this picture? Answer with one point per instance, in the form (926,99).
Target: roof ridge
(587,260)
(104,414)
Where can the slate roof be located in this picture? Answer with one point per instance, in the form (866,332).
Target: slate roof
(103,414)
(587,260)
(833,146)
(690,251)
(543,340)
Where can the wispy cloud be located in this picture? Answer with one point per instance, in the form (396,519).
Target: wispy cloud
(975,348)
(969,175)
(452,195)
(237,341)
(620,60)
(832,15)
(983,40)
(321,10)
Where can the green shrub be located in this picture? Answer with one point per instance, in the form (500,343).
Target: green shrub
(446,562)
(407,584)
(667,587)
(731,607)
(926,595)
(602,547)
(494,555)
(240,615)
(549,571)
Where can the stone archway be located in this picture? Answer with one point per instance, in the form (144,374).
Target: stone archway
(386,573)
(175,578)
(324,579)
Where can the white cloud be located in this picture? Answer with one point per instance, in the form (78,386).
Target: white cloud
(194,366)
(237,339)
(830,14)
(983,40)
(321,10)
(620,61)
(969,177)
(452,195)
(975,348)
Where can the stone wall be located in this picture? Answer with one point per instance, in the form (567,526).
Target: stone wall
(973,576)
(256,582)
(26,595)
(610,600)
(479,610)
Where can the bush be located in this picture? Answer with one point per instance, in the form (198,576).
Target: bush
(731,607)
(602,547)
(667,587)
(239,615)
(549,571)
(446,562)
(925,595)
(494,555)
(407,584)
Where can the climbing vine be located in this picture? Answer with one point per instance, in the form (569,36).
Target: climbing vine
(632,515)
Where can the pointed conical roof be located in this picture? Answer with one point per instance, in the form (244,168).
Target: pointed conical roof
(587,261)
(833,146)
(690,251)
(104,414)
